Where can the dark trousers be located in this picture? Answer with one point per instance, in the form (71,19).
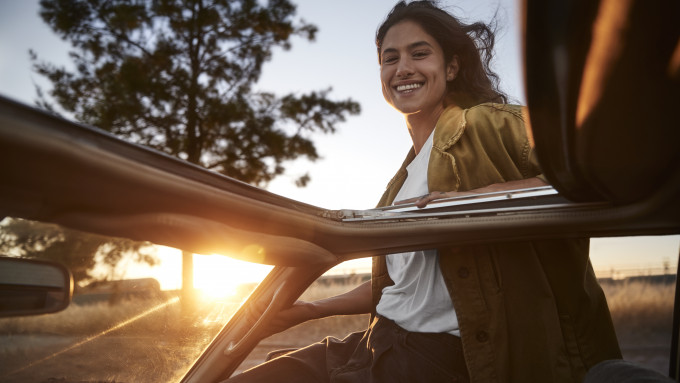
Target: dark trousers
(383,353)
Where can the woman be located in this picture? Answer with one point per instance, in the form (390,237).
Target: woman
(518,312)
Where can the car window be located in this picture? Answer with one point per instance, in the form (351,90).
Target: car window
(128,320)
(638,276)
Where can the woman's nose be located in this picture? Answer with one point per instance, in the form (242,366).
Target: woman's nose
(404,69)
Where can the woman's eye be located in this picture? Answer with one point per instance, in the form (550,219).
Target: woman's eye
(421,54)
(389,59)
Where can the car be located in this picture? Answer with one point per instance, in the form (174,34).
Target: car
(611,158)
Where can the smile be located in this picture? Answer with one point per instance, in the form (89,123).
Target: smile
(408,87)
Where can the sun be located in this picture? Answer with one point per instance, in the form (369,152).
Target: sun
(215,276)
(218,276)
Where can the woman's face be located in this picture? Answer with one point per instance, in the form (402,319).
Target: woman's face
(412,70)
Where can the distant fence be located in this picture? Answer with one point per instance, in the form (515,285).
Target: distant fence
(615,272)
(343,279)
(665,273)
(609,273)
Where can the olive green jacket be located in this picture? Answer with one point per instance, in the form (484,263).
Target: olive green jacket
(528,311)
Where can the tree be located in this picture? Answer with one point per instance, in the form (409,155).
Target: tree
(79,252)
(177,75)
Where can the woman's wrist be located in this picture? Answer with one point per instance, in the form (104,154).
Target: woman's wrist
(316,310)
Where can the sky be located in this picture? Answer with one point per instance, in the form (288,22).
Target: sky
(358,160)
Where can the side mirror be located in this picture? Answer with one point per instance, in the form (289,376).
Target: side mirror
(31,287)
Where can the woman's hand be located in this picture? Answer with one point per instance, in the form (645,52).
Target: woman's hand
(422,201)
(299,312)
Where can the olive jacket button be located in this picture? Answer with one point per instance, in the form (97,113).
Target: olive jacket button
(463,272)
(482,336)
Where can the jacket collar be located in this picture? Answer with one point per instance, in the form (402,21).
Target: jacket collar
(453,117)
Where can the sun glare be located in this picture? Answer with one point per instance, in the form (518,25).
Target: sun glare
(218,276)
(215,276)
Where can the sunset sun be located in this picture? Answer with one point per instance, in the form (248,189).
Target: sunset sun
(215,276)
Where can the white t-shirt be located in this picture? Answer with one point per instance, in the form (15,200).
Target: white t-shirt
(419,300)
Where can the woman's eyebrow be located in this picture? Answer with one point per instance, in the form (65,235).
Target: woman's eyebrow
(411,46)
(419,44)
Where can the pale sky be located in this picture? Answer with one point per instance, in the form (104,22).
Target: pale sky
(359,160)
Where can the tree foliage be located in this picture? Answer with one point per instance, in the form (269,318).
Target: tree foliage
(79,252)
(178,75)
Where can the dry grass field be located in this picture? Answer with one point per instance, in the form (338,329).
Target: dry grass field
(642,312)
(102,341)
(132,341)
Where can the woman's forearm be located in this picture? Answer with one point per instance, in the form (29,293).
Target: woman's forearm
(356,301)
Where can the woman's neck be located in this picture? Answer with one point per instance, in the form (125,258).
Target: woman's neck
(420,126)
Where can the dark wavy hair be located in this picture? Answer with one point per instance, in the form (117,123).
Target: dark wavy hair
(475,82)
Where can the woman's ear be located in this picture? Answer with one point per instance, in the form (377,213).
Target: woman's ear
(452,69)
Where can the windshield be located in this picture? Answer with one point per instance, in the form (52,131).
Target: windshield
(130,319)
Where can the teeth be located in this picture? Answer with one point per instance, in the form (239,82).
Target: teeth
(402,88)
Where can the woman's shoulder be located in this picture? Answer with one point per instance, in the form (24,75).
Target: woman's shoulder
(454,120)
(491,111)
(495,119)
(483,122)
